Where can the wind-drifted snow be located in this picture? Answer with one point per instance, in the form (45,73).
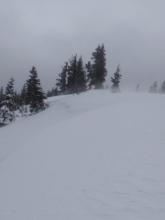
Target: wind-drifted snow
(93,156)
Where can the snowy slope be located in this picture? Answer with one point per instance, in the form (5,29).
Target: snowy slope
(89,157)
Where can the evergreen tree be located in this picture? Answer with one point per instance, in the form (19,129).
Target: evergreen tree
(8,105)
(154,87)
(72,75)
(6,116)
(10,88)
(81,76)
(35,95)
(116,80)
(2,94)
(23,95)
(1,105)
(17,100)
(61,80)
(89,74)
(10,95)
(76,80)
(162,88)
(52,92)
(97,72)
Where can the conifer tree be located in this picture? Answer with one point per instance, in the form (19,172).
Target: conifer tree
(53,92)
(23,108)
(24,95)
(162,88)
(97,72)
(10,88)
(89,74)
(153,87)
(62,80)
(76,80)
(6,116)
(116,80)
(17,100)
(1,94)
(35,96)
(8,105)
(10,95)
(81,76)
(72,75)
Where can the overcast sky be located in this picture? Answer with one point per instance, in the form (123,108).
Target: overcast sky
(45,33)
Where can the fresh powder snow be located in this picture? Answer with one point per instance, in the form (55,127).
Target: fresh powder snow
(93,156)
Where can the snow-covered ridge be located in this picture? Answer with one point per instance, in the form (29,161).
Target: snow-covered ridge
(91,156)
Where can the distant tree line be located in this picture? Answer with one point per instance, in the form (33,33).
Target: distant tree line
(75,77)
(155,88)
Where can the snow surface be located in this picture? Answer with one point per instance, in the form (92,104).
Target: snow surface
(94,156)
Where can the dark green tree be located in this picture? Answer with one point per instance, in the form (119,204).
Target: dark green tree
(10,88)
(97,70)
(76,76)
(61,83)
(72,75)
(116,80)
(162,88)
(81,76)
(53,92)
(8,104)
(35,95)
(23,95)
(2,95)
(10,95)
(88,74)
(22,98)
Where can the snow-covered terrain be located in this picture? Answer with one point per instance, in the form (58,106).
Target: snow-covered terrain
(94,156)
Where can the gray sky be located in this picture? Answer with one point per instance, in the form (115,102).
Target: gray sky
(45,33)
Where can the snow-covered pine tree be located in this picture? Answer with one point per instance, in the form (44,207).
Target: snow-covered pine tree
(89,74)
(35,95)
(8,105)
(116,80)
(5,115)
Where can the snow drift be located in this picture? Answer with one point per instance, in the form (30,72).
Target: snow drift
(92,156)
